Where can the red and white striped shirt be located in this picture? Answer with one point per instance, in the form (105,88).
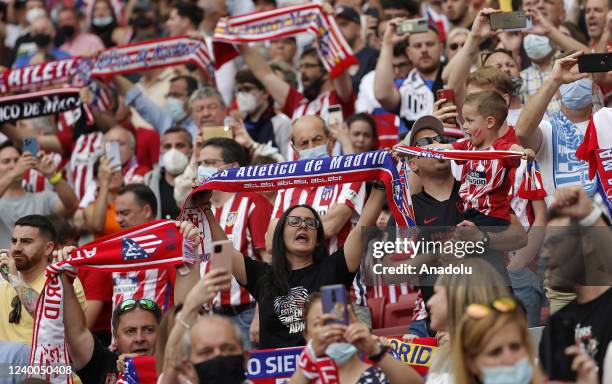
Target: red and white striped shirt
(296,105)
(322,199)
(245,219)
(86,150)
(35,182)
(154,284)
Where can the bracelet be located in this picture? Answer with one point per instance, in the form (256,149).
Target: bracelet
(56,178)
(377,357)
(591,218)
(182,322)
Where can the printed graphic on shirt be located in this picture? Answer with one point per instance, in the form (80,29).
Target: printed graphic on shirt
(567,168)
(585,335)
(477,178)
(290,309)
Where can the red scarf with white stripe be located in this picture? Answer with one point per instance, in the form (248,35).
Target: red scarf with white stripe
(152,245)
(532,187)
(335,53)
(322,370)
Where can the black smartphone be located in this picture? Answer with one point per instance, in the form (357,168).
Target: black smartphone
(335,301)
(508,20)
(30,144)
(562,334)
(595,62)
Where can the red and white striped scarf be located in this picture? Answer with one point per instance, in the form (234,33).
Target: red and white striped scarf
(152,54)
(73,71)
(147,246)
(532,187)
(336,54)
(322,370)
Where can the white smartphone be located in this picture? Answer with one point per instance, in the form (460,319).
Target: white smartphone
(334,115)
(112,154)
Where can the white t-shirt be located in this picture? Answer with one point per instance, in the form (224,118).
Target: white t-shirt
(557,158)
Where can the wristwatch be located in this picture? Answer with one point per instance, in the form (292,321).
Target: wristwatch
(378,356)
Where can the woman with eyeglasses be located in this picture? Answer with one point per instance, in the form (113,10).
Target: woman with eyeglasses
(300,265)
(492,345)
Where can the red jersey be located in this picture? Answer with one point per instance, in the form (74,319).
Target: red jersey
(85,151)
(296,105)
(244,218)
(322,199)
(485,183)
(98,285)
(154,284)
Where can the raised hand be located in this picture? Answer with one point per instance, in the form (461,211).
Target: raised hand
(26,161)
(323,333)
(445,114)
(47,166)
(572,201)
(392,38)
(481,29)
(565,70)
(541,25)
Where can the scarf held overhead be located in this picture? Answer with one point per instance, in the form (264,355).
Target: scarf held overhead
(152,245)
(29,105)
(74,71)
(335,52)
(531,188)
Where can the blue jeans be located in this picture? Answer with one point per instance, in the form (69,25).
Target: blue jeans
(528,288)
(243,321)
(418,328)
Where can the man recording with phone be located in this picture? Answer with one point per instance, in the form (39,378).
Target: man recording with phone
(17,202)
(416,95)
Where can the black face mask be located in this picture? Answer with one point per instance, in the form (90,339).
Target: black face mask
(67,31)
(141,22)
(42,40)
(221,369)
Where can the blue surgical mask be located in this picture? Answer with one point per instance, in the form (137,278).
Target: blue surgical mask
(176,109)
(519,373)
(577,95)
(537,47)
(341,353)
(205,172)
(314,153)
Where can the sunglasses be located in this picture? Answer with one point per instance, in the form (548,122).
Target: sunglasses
(15,314)
(501,305)
(455,46)
(146,304)
(425,141)
(296,221)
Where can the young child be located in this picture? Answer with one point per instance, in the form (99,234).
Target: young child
(485,183)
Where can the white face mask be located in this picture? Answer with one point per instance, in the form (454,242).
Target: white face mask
(205,172)
(102,21)
(176,109)
(247,103)
(34,14)
(174,162)
(314,153)
(537,47)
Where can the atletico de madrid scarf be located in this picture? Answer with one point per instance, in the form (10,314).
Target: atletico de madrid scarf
(152,245)
(531,189)
(49,102)
(368,166)
(336,54)
(139,370)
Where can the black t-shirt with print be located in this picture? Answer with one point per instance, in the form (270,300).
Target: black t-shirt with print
(281,321)
(101,368)
(593,327)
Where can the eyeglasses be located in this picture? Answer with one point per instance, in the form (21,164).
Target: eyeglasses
(15,314)
(425,141)
(296,221)
(501,305)
(454,46)
(146,304)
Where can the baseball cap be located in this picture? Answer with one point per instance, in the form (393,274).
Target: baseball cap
(348,13)
(424,122)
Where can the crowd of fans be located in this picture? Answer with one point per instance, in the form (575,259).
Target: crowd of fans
(547,259)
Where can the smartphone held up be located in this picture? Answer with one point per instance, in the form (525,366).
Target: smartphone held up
(335,302)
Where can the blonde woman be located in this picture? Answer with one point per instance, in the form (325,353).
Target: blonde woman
(452,295)
(492,346)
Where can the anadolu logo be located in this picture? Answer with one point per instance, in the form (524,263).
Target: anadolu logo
(139,248)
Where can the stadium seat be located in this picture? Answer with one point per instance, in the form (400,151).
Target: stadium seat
(377,306)
(400,313)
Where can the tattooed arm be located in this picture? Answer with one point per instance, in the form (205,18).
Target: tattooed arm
(27,295)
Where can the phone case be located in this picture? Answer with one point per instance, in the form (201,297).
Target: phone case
(595,62)
(221,256)
(508,21)
(335,300)
(30,145)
